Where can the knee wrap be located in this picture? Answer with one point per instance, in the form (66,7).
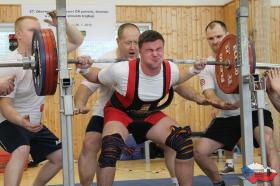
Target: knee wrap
(180,140)
(112,146)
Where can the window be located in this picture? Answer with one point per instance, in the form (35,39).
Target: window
(96,48)
(5,30)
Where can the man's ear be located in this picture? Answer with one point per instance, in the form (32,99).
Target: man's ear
(18,34)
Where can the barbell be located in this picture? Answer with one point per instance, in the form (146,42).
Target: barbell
(44,63)
(227,77)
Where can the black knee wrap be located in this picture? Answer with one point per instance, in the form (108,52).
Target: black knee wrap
(180,140)
(112,146)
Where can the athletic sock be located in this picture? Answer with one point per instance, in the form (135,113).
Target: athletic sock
(174,181)
(230,162)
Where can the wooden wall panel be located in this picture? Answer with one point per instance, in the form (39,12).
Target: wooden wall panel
(183,30)
(9,13)
(229,15)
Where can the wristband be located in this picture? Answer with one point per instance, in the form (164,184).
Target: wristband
(82,71)
(194,71)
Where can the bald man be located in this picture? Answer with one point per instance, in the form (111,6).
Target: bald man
(21,130)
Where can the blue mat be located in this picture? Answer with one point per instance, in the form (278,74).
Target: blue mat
(232,179)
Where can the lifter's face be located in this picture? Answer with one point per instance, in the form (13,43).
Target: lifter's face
(215,36)
(128,43)
(152,54)
(24,33)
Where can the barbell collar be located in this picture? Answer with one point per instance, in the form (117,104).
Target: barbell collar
(28,62)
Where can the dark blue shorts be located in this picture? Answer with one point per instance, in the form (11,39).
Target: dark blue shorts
(228,130)
(95,124)
(41,143)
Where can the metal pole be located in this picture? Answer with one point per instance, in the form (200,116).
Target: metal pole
(66,103)
(261,106)
(147,151)
(244,89)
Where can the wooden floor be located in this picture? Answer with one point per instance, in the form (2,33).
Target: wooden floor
(126,170)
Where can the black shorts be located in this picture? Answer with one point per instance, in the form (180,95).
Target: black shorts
(137,129)
(41,143)
(228,130)
(95,124)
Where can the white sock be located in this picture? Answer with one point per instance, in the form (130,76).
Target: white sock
(174,181)
(230,162)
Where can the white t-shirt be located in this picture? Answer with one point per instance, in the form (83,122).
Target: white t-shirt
(26,102)
(105,93)
(150,87)
(208,81)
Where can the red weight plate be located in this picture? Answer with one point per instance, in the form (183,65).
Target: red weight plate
(54,62)
(52,65)
(48,82)
(227,76)
(252,57)
(51,62)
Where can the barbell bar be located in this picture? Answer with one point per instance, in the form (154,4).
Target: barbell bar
(44,63)
(266,66)
(181,61)
(29,63)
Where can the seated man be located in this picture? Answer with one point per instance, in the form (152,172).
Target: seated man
(21,130)
(224,131)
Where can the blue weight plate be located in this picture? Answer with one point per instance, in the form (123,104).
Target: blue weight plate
(39,72)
